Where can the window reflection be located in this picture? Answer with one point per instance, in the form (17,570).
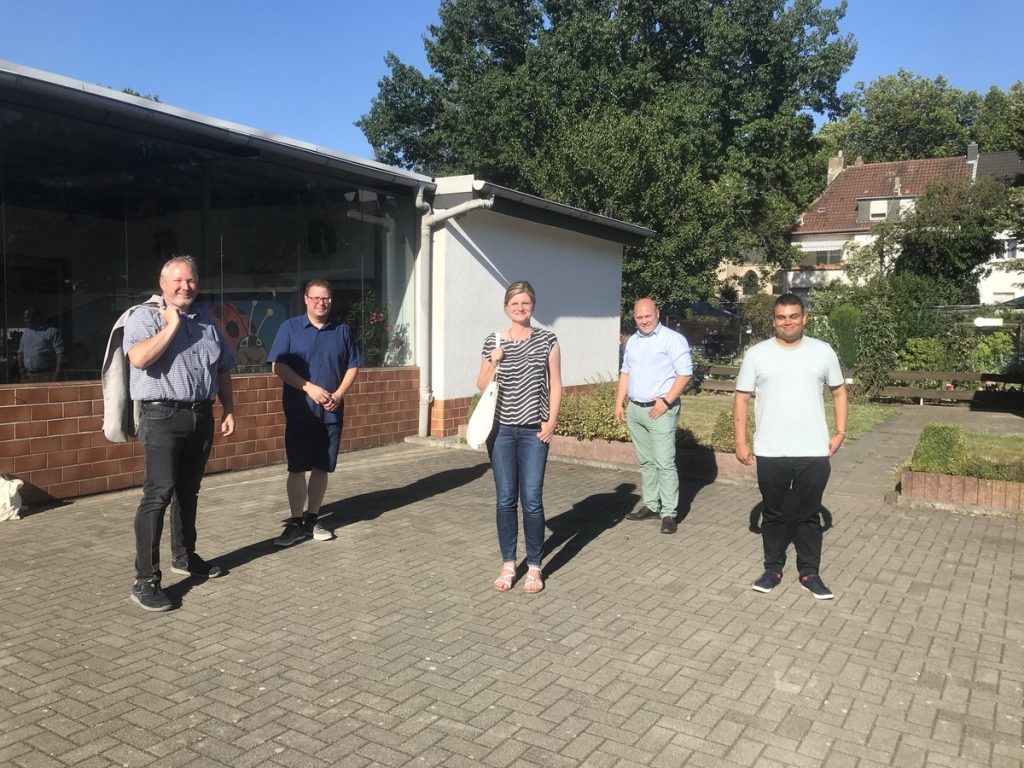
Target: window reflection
(92,212)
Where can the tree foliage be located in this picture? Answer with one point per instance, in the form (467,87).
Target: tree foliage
(686,116)
(906,116)
(949,234)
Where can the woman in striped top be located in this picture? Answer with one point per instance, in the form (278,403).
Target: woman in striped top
(529,396)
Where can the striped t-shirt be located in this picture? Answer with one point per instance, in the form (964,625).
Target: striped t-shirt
(524,382)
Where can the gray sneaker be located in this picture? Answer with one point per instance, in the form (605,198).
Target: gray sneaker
(294,532)
(149,596)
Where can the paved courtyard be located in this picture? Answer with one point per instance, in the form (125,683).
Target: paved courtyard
(388,646)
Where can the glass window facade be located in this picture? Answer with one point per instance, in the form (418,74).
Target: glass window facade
(89,213)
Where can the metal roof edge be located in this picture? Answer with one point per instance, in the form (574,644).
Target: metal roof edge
(159,112)
(487,188)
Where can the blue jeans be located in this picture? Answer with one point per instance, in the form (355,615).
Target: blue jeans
(177,445)
(518,460)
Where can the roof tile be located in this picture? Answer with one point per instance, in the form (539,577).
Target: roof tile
(835,210)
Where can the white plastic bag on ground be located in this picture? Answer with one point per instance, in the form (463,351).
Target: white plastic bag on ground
(10,498)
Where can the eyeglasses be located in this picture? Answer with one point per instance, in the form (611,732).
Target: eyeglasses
(319,299)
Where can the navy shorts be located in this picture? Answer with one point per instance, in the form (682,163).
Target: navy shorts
(311,444)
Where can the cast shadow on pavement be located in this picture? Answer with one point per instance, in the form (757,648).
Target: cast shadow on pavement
(369,506)
(757,509)
(585,521)
(337,514)
(697,469)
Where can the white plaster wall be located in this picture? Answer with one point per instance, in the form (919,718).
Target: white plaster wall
(577,279)
(1001,285)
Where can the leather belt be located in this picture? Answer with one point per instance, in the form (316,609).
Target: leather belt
(643,404)
(182,405)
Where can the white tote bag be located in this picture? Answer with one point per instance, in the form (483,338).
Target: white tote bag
(481,421)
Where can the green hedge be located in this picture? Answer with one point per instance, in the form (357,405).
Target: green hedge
(942,449)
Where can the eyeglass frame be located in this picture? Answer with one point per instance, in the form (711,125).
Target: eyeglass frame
(319,299)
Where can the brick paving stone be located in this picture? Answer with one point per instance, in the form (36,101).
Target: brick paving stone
(387,646)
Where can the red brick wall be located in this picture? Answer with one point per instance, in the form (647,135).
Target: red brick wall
(50,434)
(447,415)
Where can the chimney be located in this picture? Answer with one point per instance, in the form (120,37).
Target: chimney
(896,187)
(859,160)
(835,167)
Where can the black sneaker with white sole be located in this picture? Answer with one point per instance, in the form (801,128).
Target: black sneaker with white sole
(813,584)
(194,565)
(149,596)
(294,532)
(769,580)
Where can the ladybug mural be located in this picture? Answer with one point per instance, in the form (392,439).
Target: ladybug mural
(251,341)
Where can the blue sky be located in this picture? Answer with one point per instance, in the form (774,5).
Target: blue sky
(309,68)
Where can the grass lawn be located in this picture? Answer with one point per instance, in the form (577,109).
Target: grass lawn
(995,456)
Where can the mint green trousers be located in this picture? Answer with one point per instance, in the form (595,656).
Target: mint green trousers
(654,441)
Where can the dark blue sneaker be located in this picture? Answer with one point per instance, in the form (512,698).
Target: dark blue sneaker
(769,580)
(194,565)
(149,595)
(813,584)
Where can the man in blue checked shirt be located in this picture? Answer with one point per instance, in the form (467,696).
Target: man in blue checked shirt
(655,370)
(179,364)
(318,361)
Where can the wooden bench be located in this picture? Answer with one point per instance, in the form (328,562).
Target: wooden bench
(989,392)
(724,381)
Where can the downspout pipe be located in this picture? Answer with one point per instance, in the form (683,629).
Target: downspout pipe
(424,280)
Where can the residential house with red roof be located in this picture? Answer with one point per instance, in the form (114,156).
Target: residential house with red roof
(861,196)
(856,200)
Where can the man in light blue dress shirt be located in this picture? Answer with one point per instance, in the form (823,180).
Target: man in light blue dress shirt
(655,370)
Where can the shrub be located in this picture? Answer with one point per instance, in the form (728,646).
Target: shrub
(993,353)
(878,348)
(845,324)
(942,449)
(591,415)
(924,355)
(723,436)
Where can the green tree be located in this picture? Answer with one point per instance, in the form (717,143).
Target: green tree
(1000,123)
(906,116)
(949,234)
(687,116)
(756,314)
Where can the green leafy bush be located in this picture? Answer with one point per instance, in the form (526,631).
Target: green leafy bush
(942,449)
(924,355)
(591,415)
(723,435)
(993,353)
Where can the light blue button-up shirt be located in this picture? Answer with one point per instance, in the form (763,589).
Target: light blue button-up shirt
(653,362)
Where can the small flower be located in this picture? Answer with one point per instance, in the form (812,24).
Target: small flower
(376,318)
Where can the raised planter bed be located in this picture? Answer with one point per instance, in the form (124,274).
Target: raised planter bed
(1003,495)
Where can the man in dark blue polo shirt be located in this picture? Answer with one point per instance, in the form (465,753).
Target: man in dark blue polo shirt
(317,359)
